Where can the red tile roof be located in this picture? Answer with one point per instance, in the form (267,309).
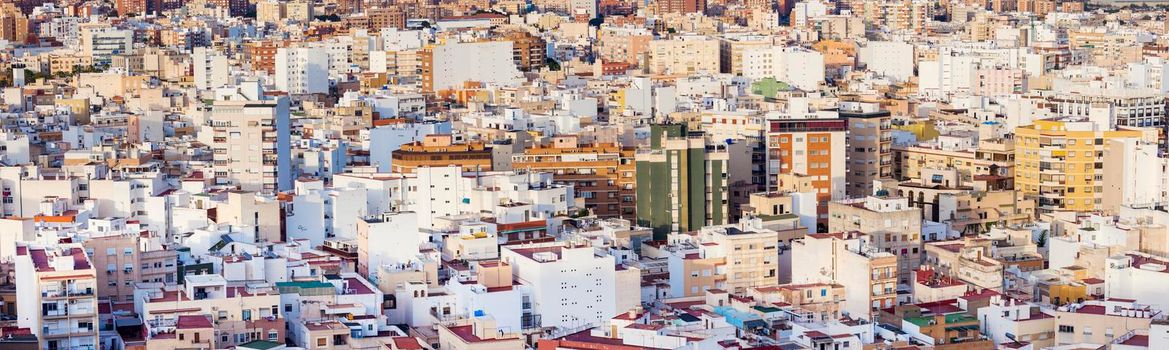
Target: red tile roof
(193,321)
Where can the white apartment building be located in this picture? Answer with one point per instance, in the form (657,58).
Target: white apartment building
(1137,276)
(1134,175)
(805,11)
(57,296)
(571,286)
(387,239)
(330,298)
(492,63)
(1152,73)
(239,311)
(382,141)
(318,213)
(1007,320)
(211,69)
(127,196)
(801,68)
(101,42)
(251,142)
(302,70)
(893,59)
(868,275)
(509,197)
(952,73)
(1139,107)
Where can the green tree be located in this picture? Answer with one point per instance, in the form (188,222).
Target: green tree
(1042,241)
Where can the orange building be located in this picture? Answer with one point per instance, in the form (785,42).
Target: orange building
(602,174)
(440,151)
(813,149)
(263,54)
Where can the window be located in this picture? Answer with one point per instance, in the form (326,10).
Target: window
(1067,329)
(322,342)
(111,251)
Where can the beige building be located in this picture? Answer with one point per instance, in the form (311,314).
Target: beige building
(241,313)
(251,144)
(684,55)
(968,260)
(480,334)
(190,332)
(893,226)
(57,296)
(810,302)
(750,252)
(249,211)
(1099,322)
(118,257)
(869,276)
(731,50)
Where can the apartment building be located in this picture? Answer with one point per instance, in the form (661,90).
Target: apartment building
(440,151)
(57,296)
(801,68)
(119,256)
(812,148)
(602,174)
(211,69)
(234,127)
(528,50)
(241,313)
(749,251)
(691,272)
(1099,322)
(189,332)
(623,44)
(681,181)
(14,25)
(445,66)
(684,55)
(891,224)
(1059,163)
(969,260)
(1009,321)
(100,42)
(478,333)
(1137,276)
(869,147)
(679,6)
(262,53)
(1135,107)
(302,70)
(808,302)
(571,286)
(1134,176)
(869,275)
(731,49)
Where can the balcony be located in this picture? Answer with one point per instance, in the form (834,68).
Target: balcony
(75,293)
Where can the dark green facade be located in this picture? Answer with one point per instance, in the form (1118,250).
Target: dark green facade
(659,184)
